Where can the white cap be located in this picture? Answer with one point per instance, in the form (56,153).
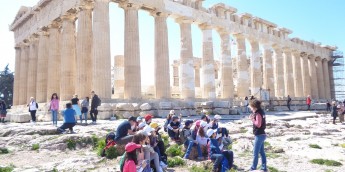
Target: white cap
(210,132)
(203,124)
(148,129)
(217,117)
(142,125)
(172,112)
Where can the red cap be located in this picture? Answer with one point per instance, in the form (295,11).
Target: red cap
(148,117)
(197,123)
(131,147)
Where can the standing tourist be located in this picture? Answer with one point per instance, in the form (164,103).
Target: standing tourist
(75,106)
(3,111)
(259,125)
(246,102)
(54,107)
(328,106)
(308,102)
(33,106)
(85,108)
(334,111)
(95,102)
(341,111)
(289,102)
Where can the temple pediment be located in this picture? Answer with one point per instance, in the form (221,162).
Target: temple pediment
(21,12)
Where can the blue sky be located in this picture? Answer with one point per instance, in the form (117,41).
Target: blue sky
(319,21)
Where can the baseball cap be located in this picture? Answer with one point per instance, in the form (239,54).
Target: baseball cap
(154,125)
(210,132)
(148,129)
(217,117)
(172,112)
(197,123)
(131,147)
(148,117)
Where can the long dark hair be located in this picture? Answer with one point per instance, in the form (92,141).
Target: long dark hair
(138,137)
(54,94)
(201,132)
(132,156)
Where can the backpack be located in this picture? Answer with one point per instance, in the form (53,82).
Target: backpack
(183,137)
(122,161)
(99,101)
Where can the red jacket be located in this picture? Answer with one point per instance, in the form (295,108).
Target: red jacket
(308,101)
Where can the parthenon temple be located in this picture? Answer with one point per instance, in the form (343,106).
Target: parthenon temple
(53,55)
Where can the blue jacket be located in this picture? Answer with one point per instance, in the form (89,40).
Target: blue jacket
(68,116)
(214,148)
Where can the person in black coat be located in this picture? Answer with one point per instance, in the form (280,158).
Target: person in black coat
(95,102)
(334,111)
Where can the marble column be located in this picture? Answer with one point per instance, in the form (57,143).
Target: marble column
(242,67)
(187,78)
(313,77)
(288,73)
(161,63)
(320,78)
(32,68)
(226,79)
(68,60)
(42,66)
(327,84)
(24,63)
(101,60)
(278,61)
(132,53)
(208,84)
(197,76)
(297,74)
(54,60)
(17,76)
(305,75)
(267,69)
(119,83)
(84,51)
(255,66)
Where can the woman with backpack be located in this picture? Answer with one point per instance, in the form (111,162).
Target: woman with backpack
(3,111)
(85,108)
(33,106)
(54,107)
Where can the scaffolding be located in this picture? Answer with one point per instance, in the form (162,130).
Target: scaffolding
(338,76)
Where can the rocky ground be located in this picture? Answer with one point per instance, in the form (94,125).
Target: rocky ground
(39,148)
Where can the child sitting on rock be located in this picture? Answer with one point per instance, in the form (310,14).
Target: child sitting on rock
(189,142)
(174,128)
(225,139)
(160,143)
(168,120)
(69,119)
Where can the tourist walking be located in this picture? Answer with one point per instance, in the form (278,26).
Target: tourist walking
(95,102)
(289,102)
(308,102)
(3,111)
(245,104)
(85,108)
(54,107)
(259,125)
(33,106)
(75,106)
(334,111)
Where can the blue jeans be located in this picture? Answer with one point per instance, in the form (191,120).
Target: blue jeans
(259,148)
(54,117)
(85,117)
(217,159)
(189,145)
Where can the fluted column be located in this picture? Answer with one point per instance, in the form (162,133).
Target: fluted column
(297,74)
(84,51)
(226,83)
(267,69)
(17,76)
(278,61)
(119,82)
(187,78)
(288,73)
(161,63)
(327,84)
(68,60)
(42,66)
(54,60)
(313,77)
(24,63)
(305,75)
(208,76)
(255,66)
(242,67)
(32,68)
(132,53)
(320,78)
(101,61)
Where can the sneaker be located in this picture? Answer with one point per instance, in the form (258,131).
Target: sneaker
(163,165)
(72,132)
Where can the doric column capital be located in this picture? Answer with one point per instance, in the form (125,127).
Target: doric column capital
(287,50)
(276,47)
(55,24)
(70,16)
(33,38)
(44,31)
(205,26)
(159,14)
(86,5)
(182,20)
(318,58)
(129,6)
(311,56)
(239,36)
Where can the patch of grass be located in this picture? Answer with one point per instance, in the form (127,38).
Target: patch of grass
(326,162)
(315,146)
(267,144)
(71,144)
(328,170)
(199,169)
(165,139)
(4,151)
(272,169)
(243,130)
(174,150)
(7,169)
(55,170)
(342,145)
(100,146)
(111,153)
(272,155)
(293,139)
(176,161)
(230,147)
(95,140)
(35,146)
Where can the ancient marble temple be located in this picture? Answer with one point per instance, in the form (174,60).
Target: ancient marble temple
(53,55)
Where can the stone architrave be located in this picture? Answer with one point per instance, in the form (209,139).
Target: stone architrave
(101,60)
(16,82)
(32,68)
(305,75)
(68,60)
(84,51)
(320,78)
(187,78)
(161,63)
(54,60)
(208,70)
(42,66)
(24,63)
(278,62)
(313,77)
(242,67)
(255,66)
(227,85)
(288,73)
(119,82)
(326,77)
(297,74)
(132,53)
(267,69)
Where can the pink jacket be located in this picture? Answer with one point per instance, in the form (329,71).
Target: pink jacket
(54,104)
(129,166)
